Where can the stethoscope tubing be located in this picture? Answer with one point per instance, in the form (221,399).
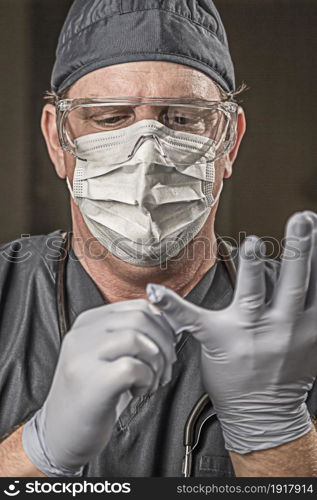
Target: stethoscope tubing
(224,253)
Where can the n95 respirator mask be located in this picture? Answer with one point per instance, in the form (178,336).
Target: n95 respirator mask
(144,191)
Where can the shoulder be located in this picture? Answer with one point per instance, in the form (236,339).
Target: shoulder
(27,261)
(26,241)
(29,330)
(29,251)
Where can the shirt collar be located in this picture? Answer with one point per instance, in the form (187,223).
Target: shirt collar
(83,293)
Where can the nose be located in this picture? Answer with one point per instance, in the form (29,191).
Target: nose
(147,112)
(145,138)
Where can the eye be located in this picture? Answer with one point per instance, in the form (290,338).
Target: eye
(180,120)
(183,119)
(105,118)
(110,120)
(178,117)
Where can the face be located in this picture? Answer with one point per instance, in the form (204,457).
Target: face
(136,79)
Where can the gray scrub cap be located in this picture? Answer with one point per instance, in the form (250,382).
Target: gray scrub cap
(99,33)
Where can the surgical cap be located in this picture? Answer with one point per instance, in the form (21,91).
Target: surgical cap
(100,33)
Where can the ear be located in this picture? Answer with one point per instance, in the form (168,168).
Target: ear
(240,131)
(49,130)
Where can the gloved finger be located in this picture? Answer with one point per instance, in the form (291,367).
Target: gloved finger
(90,316)
(290,293)
(127,373)
(311,299)
(97,341)
(180,314)
(139,314)
(151,324)
(250,289)
(134,344)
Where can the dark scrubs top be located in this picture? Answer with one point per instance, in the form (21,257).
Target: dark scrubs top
(147,439)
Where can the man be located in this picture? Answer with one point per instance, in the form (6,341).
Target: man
(144,131)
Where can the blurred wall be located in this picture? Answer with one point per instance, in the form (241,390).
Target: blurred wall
(32,198)
(274,46)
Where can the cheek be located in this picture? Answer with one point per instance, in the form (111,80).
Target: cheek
(70,163)
(220,168)
(223,168)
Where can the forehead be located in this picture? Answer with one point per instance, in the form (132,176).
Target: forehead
(146,78)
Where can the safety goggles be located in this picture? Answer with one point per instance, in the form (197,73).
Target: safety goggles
(208,126)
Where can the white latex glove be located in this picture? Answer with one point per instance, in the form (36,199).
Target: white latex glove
(109,350)
(258,360)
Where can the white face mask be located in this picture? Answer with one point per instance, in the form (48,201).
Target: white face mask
(138,195)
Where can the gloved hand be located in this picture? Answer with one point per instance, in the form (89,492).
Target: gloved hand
(259,360)
(109,350)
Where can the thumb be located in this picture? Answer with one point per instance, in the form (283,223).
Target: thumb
(180,314)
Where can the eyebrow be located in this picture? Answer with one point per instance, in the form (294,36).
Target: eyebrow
(190,95)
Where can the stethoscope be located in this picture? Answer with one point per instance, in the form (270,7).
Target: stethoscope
(224,254)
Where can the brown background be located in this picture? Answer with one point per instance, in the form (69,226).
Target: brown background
(274,46)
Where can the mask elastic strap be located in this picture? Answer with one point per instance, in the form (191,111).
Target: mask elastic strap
(218,194)
(70,189)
